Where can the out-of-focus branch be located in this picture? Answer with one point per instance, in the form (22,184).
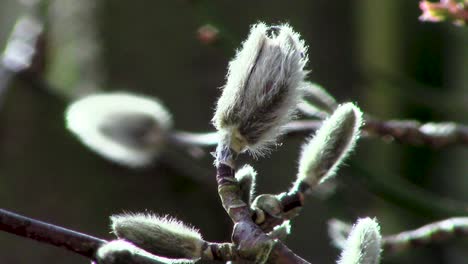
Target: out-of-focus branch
(428,234)
(431,233)
(409,132)
(76,242)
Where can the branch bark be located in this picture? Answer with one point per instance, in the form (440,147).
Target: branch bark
(76,242)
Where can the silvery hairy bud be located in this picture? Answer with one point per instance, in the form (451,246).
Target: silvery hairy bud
(262,89)
(364,243)
(163,236)
(125,128)
(332,143)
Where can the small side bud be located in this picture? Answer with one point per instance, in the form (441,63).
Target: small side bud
(269,203)
(364,244)
(332,143)
(246,177)
(262,89)
(123,252)
(125,128)
(318,97)
(162,236)
(282,231)
(338,232)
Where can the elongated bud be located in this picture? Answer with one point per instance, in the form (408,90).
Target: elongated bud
(123,252)
(364,243)
(125,128)
(335,139)
(246,177)
(262,89)
(163,236)
(318,97)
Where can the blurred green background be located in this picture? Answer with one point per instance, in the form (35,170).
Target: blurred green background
(375,53)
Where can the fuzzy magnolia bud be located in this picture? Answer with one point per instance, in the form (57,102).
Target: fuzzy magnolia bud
(246,177)
(162,236)
(322,155)
(364,243)
(124,128)
(123,252)
(262,89)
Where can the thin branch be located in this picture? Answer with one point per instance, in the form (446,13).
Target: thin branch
(76,242)
(409,132)
(428,234)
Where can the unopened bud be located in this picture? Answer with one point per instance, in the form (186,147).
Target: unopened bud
(262,89)
(163,236)
(246,177)
(332,143)
(125,128)
(364,243)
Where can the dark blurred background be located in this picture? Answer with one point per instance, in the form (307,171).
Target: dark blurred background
(375,53)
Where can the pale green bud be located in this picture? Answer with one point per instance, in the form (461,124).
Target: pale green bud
(332,143)
(262,89)
(162,236)
(364,243)
(125,128)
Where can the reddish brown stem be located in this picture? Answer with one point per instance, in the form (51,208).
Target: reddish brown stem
(76,242)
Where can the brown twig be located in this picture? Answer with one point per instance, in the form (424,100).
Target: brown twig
(76,242)
(252,243)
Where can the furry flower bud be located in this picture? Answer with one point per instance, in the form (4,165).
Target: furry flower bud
(364,243)
(335,139)
(121,127)
(163,236)
(262,89)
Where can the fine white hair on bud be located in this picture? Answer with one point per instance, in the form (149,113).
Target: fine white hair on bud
(163,236)
(124,128)
(262,88)
(331,144)
(246,177)
(123,252)
(364,243)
